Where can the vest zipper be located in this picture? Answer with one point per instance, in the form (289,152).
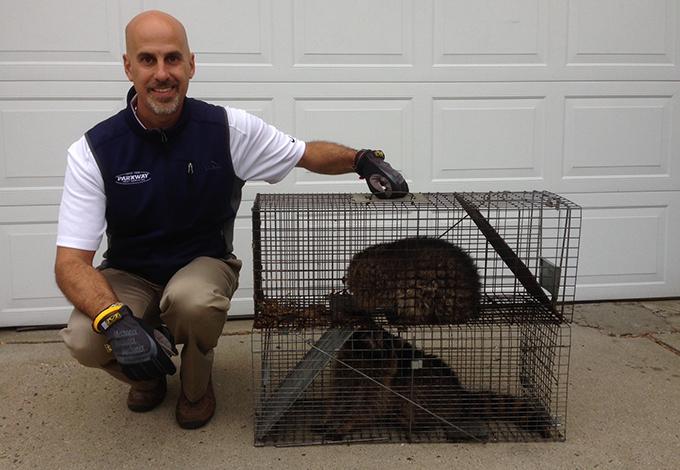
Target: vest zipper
(164,136)
(190,168)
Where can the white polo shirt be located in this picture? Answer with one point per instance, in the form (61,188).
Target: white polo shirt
(259,152)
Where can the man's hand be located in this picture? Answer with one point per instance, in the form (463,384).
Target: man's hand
(383,180)
(142,352)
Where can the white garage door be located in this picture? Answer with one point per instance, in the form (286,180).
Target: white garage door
(579,97)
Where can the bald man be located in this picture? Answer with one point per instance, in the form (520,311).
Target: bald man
(162,178)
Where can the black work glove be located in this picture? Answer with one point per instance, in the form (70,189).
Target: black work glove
(143,352)
(383,180)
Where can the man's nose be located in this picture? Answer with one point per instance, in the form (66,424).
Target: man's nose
(161,72)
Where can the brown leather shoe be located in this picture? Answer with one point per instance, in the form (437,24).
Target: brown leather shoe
(141,398)
(192,415)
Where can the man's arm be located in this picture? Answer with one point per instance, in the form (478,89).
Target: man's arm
(328,158)
(81,283)
(334,159)
(142,352)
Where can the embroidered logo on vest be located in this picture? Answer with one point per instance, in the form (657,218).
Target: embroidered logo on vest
(133,177)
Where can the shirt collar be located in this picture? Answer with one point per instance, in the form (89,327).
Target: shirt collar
(133,105)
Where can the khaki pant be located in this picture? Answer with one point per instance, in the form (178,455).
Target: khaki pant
(193,305)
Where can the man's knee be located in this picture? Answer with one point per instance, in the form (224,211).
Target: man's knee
(85,345)
(185,295)
(189,307)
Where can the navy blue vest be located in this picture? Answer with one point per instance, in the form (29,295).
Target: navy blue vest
(170,194)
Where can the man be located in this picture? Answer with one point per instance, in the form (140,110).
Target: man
(163,179)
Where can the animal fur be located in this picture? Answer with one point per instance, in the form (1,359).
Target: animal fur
(393,382)
(416,281)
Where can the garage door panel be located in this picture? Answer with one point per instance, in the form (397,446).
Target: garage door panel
(628,245)
(30,33)
(244,29)
(621,142)
(612,31)
(621,136)
(488,138)
(510,32)
(36,133)
(612,230)
(51,40)
(353,32)
(27,248)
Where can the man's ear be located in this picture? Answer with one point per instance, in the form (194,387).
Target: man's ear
(192,64)
(126,66)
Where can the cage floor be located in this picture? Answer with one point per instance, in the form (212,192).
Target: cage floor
(300,426)
(495,309)
(505,308)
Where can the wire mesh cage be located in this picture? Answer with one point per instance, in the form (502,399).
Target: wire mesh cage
(438,317)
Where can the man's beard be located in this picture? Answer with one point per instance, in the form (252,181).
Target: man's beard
(163,108)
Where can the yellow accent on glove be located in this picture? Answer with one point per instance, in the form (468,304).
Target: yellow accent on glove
(105,314)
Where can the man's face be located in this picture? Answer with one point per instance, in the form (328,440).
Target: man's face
(159,64)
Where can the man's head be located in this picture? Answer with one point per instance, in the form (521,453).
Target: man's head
(159,64)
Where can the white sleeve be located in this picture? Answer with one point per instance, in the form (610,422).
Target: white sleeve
(259,151)
(82,214)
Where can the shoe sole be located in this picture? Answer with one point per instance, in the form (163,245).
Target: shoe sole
(194,424)
(142,408)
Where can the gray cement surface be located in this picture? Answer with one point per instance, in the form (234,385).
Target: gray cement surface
(623,318)
(623,409)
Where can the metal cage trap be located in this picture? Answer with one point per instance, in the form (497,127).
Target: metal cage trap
(438,317)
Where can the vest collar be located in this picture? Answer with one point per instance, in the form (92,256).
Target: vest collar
(162,135)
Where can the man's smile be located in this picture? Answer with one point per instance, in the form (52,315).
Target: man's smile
(163,92)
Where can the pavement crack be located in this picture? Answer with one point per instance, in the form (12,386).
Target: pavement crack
(661,343)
